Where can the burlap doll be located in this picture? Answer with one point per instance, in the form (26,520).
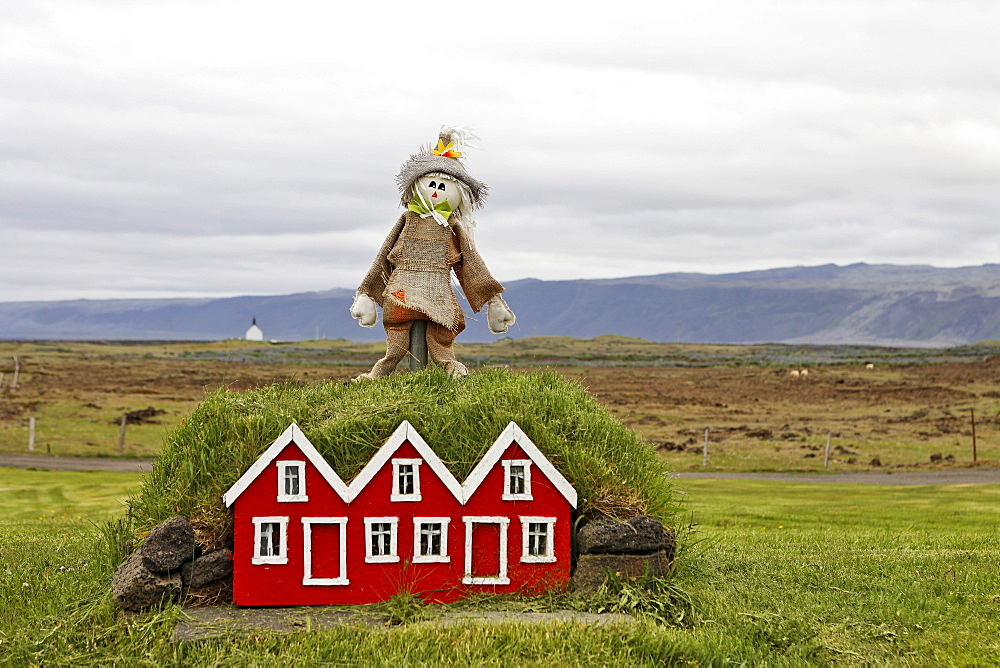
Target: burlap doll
(411,275)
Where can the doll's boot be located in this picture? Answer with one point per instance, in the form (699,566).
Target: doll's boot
(456,369)
(441,352)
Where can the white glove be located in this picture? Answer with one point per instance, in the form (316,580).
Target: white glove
(363,310)
(499,315)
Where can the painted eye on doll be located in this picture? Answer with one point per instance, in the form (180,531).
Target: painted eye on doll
(440,185)
(433,185)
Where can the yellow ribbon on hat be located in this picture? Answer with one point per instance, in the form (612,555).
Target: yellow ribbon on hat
(446,151)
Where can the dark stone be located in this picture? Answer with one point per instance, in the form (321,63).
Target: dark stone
(168,545)
(134,587)
(209,568)
(875,462)
(640,535)
(592,570)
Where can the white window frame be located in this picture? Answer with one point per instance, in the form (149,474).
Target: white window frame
(283,466)
(550,555)
(307,578)
(501,577)
(282,556)
(393,540)
(507,495)
(431,558)
(396,496)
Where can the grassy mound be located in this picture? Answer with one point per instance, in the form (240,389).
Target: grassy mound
(614,472)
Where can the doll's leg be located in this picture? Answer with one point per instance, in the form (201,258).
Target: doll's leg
(439,347)
(397,344)
(397,323)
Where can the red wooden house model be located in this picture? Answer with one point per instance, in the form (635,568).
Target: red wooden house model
(404,524)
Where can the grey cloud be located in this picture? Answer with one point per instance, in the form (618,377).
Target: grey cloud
(709,137)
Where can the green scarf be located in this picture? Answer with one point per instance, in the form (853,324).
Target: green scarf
(442,208)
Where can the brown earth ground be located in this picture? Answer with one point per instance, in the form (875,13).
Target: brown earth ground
(915,416)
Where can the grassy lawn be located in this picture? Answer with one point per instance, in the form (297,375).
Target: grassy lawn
(851,573)
(781,574)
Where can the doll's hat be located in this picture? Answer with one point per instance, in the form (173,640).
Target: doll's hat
(443,158)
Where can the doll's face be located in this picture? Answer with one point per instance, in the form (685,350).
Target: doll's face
(436,189)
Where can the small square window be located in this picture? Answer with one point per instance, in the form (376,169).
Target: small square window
(405,480)
(537,539)
(270,540)
(381,541)
(517,480)
(430,539)
(292,481)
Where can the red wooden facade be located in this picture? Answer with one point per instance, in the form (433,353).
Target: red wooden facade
(404,524)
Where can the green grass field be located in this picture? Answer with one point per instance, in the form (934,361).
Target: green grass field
(779,573)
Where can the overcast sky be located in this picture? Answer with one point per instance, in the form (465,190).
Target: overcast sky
(210,147)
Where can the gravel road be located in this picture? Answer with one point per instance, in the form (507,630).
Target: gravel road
(74,463)
(977,476)
(971,476)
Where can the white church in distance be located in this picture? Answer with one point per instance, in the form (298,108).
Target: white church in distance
(254,333)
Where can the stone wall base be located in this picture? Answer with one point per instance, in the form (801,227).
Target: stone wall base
(593,569)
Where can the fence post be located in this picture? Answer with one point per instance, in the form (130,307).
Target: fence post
(704,450)
(31,434)
(121,434)
(17,371)
(418,345)
(826,457)
(972,416)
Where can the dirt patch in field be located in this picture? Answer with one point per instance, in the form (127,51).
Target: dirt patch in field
(142,416)
(764,419)
(758,417)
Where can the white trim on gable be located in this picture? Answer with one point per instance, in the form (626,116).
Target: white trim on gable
(511,434)
(292,434)
(404,432)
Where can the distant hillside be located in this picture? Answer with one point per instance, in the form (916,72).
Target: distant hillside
(860,304)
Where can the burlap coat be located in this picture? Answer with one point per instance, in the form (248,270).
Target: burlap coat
(413,270)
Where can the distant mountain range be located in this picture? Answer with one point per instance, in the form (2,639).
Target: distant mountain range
(858,304)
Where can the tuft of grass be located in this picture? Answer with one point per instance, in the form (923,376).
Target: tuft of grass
(615,473)
(403,608)
(659,599)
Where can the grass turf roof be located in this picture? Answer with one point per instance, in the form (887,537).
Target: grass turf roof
(614,472)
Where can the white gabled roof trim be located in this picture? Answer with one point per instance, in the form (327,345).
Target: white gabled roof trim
(511,434)
(404,432)
(293,433)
